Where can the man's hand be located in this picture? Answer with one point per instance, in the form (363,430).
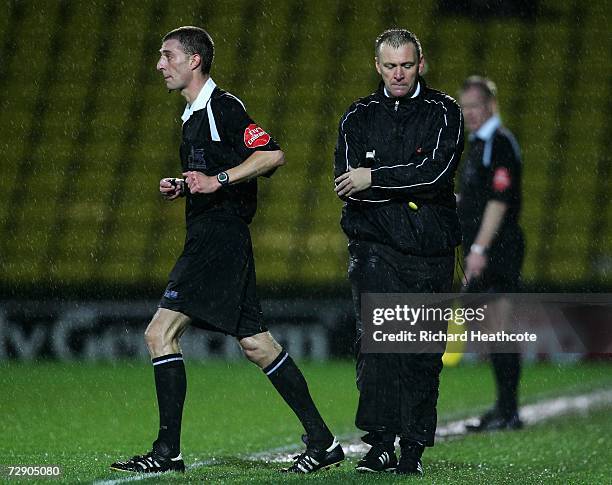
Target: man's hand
(475,264)
(199,183)
(171,188)
(355,180)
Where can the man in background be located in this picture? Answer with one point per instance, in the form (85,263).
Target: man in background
(489,207)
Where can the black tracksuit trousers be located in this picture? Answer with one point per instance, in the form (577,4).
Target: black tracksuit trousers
(398,393)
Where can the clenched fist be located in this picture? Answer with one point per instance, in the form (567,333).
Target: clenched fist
(171,188)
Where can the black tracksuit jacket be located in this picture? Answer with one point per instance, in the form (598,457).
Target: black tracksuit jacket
(413,146)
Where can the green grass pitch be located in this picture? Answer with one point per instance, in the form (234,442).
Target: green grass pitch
(84,416)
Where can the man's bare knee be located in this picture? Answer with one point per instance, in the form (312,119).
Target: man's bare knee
(261,349)
(158,338)
(152,337)
(163,333)
(250,348)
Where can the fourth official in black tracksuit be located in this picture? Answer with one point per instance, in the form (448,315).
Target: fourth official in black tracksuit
(402,234)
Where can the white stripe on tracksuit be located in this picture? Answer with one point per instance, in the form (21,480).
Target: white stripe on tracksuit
(433,155)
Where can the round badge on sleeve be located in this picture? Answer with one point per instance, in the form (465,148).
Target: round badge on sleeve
(501,179)
(255,137)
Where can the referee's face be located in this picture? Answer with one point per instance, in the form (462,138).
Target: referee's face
(174,65)
(399,68)
(476,108)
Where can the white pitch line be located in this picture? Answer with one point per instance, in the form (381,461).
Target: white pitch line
(530,414)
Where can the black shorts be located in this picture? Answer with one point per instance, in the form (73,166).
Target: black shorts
(213,281)
(503,271)
(496,280)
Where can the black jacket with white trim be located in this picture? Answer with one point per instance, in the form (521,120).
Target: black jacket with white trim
(413,146)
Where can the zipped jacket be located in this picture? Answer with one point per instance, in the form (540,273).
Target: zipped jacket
(413,145)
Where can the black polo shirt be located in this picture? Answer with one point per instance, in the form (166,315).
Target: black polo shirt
(218,134)
(491,170)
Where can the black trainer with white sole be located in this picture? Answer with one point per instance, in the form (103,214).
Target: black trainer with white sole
(410,459)
(494,420)
(152,462)
(378,459)
(409,466)
(313,460)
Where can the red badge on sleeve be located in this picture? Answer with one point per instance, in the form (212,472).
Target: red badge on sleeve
(254,136)
(501,179)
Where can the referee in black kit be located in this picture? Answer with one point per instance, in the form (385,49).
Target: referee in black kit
(489,206)
(212,285)
(395,161)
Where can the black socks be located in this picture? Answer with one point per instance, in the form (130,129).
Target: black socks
(291,385)
(171,387)
(507,369)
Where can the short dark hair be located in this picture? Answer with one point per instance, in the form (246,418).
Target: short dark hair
(484,84)
(195,40)
(396,38)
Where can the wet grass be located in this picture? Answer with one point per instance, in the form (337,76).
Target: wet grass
(83,416)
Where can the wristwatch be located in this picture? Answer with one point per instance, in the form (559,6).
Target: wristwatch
(478,249)
(223,178)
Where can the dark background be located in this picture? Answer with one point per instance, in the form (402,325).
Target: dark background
(87,130)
